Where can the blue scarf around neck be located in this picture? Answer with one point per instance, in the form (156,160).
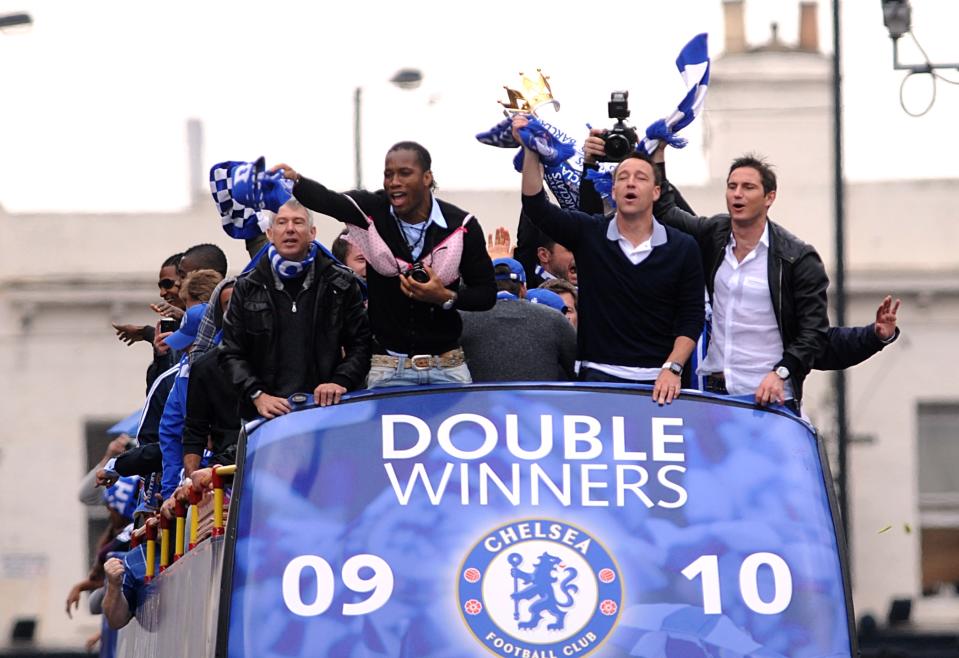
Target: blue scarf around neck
(291,269)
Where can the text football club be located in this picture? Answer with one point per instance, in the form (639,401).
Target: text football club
(540,588)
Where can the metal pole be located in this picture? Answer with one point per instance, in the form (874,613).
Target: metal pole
(357,138)
(839,291)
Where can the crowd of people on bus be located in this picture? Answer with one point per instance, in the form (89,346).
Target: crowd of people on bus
(633,289)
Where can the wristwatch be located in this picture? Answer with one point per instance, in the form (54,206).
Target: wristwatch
(448,304)
(782,372)
(673,367)
(256,394)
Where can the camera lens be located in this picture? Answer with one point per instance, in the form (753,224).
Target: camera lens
(419,275)
(617,147)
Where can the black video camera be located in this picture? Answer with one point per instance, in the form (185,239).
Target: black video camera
(621,139)
(418,273)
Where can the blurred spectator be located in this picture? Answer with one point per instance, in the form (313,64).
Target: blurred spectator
(211,408)
(554,261)
(210,332)
(169,285)
(202,257)
(89,494)
(174,411)
(516,340)
(296,323)
(570,296)
(547,298)
(642,288)
(416,329)
(125,581)
(349,254)
(120,500)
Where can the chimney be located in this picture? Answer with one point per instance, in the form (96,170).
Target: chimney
(735,26)
(808,26)
(198,177)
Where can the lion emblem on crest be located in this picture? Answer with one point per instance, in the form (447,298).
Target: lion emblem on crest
(540,585)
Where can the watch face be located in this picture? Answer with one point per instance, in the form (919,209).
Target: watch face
(783,372)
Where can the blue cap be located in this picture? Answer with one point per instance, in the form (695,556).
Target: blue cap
(516,271)
(186,334)
(546,298)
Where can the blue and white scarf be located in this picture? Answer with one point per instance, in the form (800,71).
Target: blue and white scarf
(246,196)
(693,65)
(291,269)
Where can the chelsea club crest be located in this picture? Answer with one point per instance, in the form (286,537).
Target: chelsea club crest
(540,589)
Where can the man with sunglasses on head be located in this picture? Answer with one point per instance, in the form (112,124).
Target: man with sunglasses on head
(418,249)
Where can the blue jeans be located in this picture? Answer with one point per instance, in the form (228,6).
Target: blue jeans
(383,376)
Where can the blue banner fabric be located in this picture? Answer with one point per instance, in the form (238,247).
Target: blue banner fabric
(536,522)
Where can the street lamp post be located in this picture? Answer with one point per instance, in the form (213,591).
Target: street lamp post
(15,20)
(404,79)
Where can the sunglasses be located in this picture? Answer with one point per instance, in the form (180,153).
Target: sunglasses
(166,284)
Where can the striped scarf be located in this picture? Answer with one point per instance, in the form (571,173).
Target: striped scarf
(291,269)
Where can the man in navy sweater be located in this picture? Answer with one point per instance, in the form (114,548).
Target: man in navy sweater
(640,283)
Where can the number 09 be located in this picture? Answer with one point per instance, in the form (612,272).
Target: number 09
(379,584)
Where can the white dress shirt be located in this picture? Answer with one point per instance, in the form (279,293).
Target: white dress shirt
(745,344)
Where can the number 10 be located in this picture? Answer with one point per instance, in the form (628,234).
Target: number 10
(708,567)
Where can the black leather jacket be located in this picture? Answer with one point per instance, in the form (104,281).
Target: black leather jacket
(340,347)
(797,281)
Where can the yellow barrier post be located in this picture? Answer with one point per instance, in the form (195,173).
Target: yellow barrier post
(164,543)
(218,473)
(195,497)
(217,503)
(151,552)
(180,530)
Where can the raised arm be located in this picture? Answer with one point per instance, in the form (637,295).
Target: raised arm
(563,226)
(319,198)
(850,346)
(668,208)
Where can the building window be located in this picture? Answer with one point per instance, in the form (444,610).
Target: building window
(939,494)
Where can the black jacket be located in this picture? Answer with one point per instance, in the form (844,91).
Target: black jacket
(400,324)
(211,411)
(797,281)
(339,349)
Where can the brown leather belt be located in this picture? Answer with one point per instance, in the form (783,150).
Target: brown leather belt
(449,359)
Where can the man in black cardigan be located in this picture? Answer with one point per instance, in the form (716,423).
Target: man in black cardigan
(640,283)
(415,323)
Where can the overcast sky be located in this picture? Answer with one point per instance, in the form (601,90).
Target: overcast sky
(96,95)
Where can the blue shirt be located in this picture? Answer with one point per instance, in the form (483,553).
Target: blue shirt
(171,430)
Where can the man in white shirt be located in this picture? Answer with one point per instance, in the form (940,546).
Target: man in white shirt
(767,288)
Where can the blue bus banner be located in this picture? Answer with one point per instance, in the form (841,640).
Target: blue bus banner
(535,522)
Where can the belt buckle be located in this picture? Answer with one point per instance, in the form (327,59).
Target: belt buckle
(421,361)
